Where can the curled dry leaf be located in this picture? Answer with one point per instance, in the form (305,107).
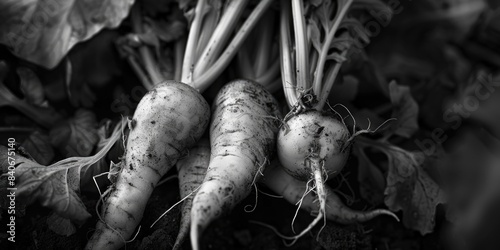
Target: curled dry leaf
(56,186)
(411,189)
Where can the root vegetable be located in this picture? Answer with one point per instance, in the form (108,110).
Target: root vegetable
(313,137)
(242,137)
(191,171)
(168,119)
(293,190)
(313,145)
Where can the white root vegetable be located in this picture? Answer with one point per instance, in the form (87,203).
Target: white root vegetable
(242,138)
(169,119)
(191,172)
(293,190)
(313,145)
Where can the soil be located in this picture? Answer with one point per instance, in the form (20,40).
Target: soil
(232,231)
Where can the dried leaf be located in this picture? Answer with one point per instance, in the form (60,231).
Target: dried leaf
(77,136)
(43,32)
(405,109)
(39,147)
(411,189)
(53,186)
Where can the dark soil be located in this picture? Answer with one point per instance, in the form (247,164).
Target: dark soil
(232,231)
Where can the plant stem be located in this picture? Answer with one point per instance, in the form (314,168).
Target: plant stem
(285,56)
(216,69)
(139,72)
(147,56)
(326,46)
(207,30)
(190,52)
(330,79)
(46,117)
(220,35)
(301,61)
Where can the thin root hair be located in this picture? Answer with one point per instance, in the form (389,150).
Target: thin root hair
(367,130)
(337,113)
(270,195)
(254,184)
(177,203)
(101,198)
(135,235)
(350,114)
(299,204)
(250,210)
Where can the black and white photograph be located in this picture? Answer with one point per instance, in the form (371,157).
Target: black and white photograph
(250,124)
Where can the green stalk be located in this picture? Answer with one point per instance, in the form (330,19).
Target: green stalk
(220,36)
(192,42)
(301,48)
(285,56)
(326,46)
(216,69)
